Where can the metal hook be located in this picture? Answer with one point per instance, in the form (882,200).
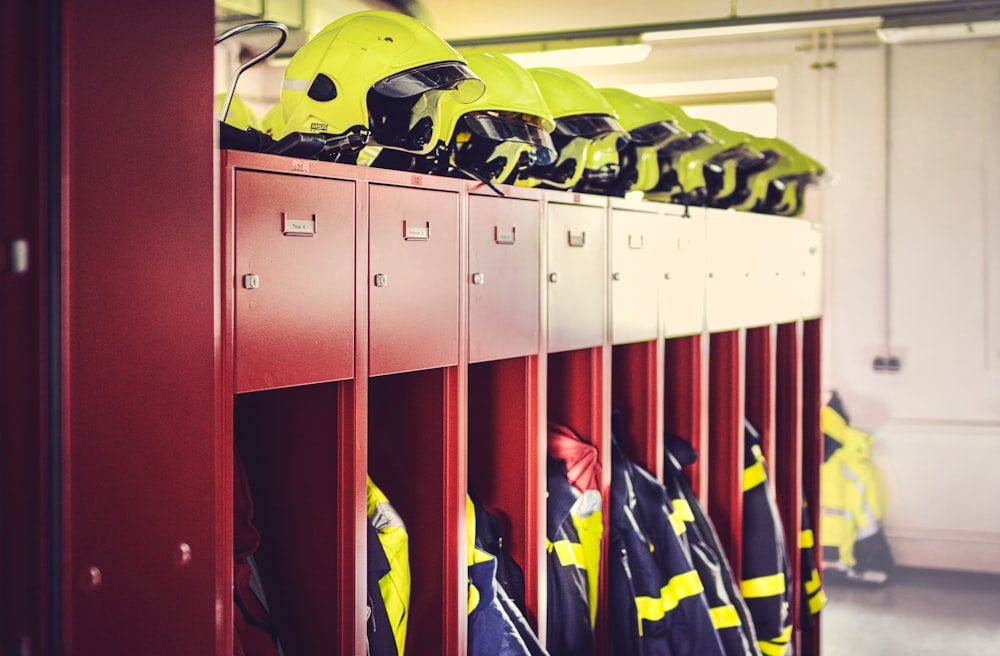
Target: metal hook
(239,29)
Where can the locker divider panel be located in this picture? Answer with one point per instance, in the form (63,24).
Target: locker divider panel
(418,457)
(637,393)
(506,465)
(725,437)
(503,277)
(812,446)
(685,402)
(413,278)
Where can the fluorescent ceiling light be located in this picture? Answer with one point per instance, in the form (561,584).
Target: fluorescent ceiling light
(862,23)
(580,57)
(948,32)
(704,87)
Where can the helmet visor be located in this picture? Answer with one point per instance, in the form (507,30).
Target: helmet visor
(510,126)
(454,76)
(654,134)
(589,125)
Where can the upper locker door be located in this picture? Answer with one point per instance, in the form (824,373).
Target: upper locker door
(294,280)
(504,279)
(577,266)
(636,243)
(413,295)
(682,294)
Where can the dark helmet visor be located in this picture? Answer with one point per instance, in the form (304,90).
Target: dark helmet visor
(508,126)
(444,75)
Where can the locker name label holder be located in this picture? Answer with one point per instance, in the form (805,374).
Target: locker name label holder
(416,232)
(505,237)
(298,227)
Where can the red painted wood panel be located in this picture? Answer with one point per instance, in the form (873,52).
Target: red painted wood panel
(725,436)
(414,309)
(504,278)
(142,345)
(296,234)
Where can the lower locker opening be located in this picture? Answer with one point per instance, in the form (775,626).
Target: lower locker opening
(633,397)
(506,453)
(287,440)
(409,438)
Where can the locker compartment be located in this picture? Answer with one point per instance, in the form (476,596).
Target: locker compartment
(288,442)
(725,440)
(812,271)
(413,279)
(682,264)
(503,277)
(685,401)
(636,260)
(576,274)
(636,392)
(506,465)
(729,240)
(293,280)
(417,456)
(578,396)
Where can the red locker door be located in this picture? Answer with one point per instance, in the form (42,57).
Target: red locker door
(503,285)
(577,266)
(413,279)
(294,280)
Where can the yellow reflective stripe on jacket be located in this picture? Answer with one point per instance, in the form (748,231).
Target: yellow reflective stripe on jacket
(806,539)
(395,586)
(683,508)
(777,646)
(817,602)
(764,586)
(653,609)
(812,585)
(724,617)
(590,528)
(771,649)
(570,554)
(677,522)
(754,475)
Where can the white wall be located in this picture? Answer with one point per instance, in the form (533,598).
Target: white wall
(912,254)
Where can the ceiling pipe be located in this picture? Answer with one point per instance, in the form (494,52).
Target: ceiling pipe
(947,11)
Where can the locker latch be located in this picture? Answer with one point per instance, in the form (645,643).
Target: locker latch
(381,280)
(16,255)
(478,278)
(251,281)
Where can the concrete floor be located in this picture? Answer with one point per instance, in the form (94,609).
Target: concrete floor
(917,613)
